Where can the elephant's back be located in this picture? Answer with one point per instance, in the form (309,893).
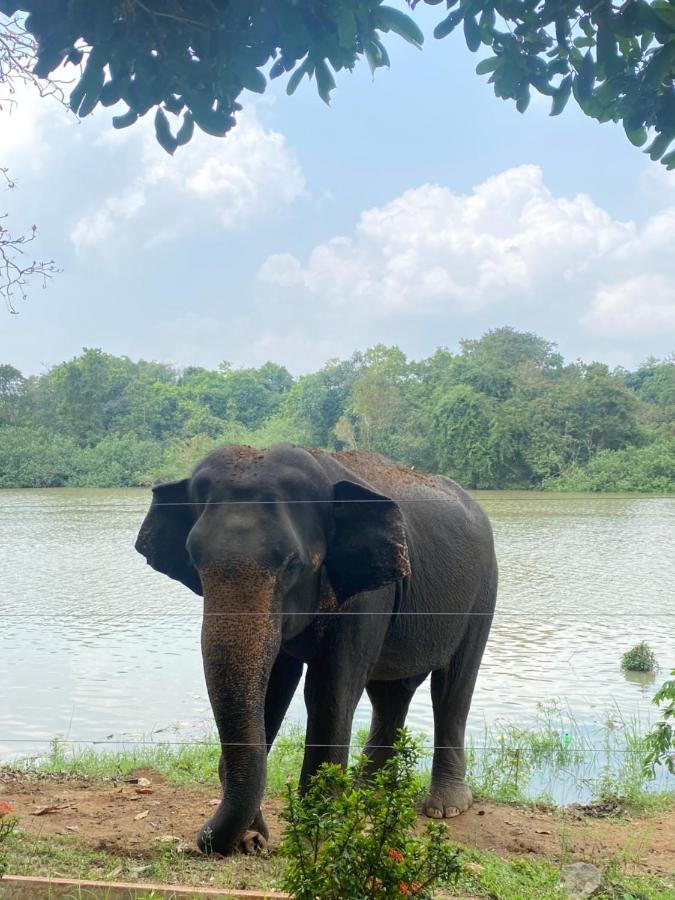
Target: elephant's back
(394,479)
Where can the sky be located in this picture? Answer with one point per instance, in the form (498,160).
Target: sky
(417,210)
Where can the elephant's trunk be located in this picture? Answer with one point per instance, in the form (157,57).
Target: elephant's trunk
(240,641)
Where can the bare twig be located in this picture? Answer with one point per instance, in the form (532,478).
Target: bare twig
(17,56)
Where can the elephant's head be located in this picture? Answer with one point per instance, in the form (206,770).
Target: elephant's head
(255,533)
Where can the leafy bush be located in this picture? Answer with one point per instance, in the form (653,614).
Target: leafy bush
(7,826)
(639,658)
(349,837)
(649,469)
(661,739)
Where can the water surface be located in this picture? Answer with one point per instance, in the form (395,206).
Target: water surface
(94,645)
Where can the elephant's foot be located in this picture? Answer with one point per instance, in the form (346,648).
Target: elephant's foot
(448,800)
(252,842)
(259,824)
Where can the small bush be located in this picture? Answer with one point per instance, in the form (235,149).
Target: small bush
(7,826)
(639,658)
(349,837)
(660,741)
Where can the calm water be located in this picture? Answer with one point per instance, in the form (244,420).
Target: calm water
(94,645)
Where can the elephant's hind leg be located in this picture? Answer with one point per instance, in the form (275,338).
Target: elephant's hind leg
(390,701)
(451,692)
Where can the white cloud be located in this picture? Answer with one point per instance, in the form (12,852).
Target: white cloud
(227,183)
(508,245)
(638,306)
(100,225)
(26,119)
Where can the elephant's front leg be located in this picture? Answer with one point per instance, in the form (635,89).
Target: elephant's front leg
(284,679)
(331,696)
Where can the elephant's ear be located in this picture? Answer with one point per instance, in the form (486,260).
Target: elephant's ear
(368,547)
(161,539)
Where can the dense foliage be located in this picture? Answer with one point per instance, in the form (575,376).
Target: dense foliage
(351,837)
(639,658)
(194,58)
(661,739)
(506,411)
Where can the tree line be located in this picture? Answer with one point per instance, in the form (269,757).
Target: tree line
(506,411)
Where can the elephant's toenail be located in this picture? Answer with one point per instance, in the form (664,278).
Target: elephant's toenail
(451,812)
(434,813)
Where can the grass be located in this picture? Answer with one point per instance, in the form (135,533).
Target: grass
(484,873)
(522,766)
(163,862)
(508,764)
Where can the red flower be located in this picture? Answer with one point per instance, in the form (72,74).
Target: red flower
(404,889)
(5,809)
(395,854)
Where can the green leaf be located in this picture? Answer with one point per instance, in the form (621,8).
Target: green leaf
(186,130)
(325,82)
(472,33)
(123,121)
(561,96)
(389,19)
(669,160)
(488,65)
(637,136)
(384,56)
(448,24)
(666,12)
(661,64)
(163,132)
(253,80)
(659,145)
(523,100)
(608,56)
(586,77)
(347,28)
(298,75)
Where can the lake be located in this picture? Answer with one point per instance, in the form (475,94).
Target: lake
(95,646)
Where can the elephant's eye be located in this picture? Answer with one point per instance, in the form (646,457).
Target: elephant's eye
(292,567)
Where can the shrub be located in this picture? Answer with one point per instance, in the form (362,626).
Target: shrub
(349,837)
(7,826)
(639,658)
(660,741)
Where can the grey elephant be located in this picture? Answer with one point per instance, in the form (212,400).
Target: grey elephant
(368,573)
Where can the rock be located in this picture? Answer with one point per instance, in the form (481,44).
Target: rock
(580,879)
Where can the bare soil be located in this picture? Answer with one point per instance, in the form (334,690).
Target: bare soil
(127,818)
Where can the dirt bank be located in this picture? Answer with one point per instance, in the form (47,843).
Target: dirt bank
(127,818)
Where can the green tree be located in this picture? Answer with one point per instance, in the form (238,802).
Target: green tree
(195,57)
(12,387)
(506,348)
(316,402)
(461,425)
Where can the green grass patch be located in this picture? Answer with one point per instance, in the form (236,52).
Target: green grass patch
(508,764)
(484,874)
(68,856)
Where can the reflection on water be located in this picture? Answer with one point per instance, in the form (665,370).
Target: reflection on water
(94,644)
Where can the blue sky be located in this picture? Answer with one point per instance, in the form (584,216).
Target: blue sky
(417,210)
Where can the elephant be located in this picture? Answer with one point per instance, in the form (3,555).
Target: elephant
(369,573)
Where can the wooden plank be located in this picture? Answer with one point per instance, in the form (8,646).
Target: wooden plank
(23,887)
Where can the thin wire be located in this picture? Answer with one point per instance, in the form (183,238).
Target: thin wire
(320,615)
(138,508)
(259,746)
